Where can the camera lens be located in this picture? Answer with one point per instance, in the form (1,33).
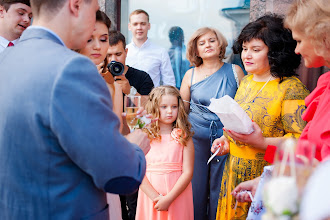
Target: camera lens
(116,68)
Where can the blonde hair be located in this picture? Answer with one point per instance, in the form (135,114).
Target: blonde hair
(312,19)
(192,45)
(182,122)
(138,11)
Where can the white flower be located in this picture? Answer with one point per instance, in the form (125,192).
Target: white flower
(143,121)
(281,196)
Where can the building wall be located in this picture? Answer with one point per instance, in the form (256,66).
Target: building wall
(260,7)
(111,8)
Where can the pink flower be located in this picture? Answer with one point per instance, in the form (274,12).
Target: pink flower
(176,134)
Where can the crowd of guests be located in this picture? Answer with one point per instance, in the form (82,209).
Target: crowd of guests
(66,152)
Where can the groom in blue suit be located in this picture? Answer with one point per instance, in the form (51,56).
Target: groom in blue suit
(60,146)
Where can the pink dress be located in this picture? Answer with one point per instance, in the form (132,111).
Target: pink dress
(164,167)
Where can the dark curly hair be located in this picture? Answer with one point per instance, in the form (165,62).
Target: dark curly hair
(269,28)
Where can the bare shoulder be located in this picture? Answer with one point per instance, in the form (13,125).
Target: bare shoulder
(190,143)
(188,73)
(187,77)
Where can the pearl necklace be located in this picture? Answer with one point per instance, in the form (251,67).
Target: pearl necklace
(253,98)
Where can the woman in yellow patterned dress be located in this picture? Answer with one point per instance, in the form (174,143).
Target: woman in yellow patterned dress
(273,98)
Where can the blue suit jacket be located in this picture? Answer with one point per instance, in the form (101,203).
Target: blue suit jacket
(60,148)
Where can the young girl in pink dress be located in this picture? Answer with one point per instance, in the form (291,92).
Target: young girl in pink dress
(166,193)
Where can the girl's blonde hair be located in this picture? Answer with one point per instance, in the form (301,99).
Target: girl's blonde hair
(312,19)
(192,52)
(182,122)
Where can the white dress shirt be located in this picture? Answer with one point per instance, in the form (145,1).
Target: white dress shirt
(4,43)
(152,59)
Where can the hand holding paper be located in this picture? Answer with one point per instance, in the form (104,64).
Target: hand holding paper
(255,139)
(232,116)
(237,123)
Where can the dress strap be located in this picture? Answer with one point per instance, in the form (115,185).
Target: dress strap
(235,74)
(192,76)
(220,84)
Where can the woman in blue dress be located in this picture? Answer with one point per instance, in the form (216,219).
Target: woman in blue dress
(210,78)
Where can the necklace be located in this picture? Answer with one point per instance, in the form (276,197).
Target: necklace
(253,98)
(207,75)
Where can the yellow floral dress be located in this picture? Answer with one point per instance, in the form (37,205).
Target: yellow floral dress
(277,109)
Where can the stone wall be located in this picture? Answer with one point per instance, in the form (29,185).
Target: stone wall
(261,7)
(102,5)
(110,8)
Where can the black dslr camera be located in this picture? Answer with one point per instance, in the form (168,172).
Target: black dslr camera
(115,68)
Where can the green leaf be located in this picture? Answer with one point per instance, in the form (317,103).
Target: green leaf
(140,123)
(287,212)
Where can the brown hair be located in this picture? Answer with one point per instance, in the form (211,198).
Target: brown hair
(192,45)
(182,122)
(7,3)
(115,37)
(138,11)
(312,19)
(103,18)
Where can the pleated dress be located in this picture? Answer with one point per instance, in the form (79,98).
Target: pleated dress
(164,167)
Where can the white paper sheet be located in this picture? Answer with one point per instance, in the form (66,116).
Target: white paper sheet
(232,116)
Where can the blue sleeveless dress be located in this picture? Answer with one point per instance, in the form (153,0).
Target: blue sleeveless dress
(207,127)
